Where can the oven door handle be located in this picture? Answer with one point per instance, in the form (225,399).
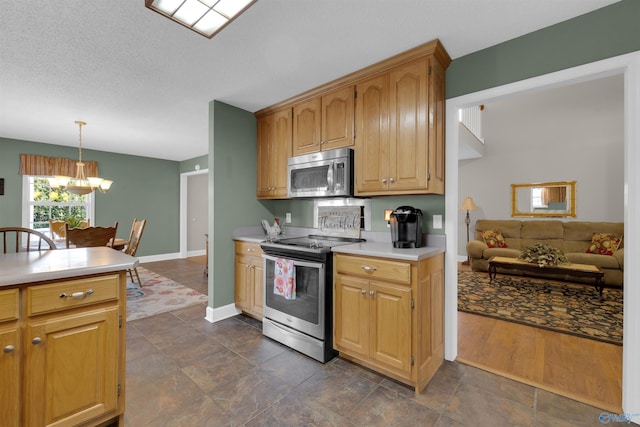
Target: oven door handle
(296,262)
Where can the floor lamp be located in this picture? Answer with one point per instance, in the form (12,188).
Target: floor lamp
(468,205)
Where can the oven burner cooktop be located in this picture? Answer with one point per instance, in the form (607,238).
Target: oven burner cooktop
(311,243)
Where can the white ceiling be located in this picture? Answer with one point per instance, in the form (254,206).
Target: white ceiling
(143,83)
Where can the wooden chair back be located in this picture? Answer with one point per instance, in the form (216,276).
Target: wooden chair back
(90,236)
(20,239)
(58,227)
(134,237)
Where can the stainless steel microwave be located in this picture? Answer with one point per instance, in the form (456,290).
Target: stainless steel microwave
(323,174)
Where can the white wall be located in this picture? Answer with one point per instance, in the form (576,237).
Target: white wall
(569,133)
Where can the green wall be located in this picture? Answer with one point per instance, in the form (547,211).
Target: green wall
(143,188)
(190,164)
(232,158)
(604,33)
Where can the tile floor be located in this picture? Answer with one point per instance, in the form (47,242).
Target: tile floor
(185,371)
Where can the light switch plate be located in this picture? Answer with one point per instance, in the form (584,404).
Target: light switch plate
(437,222)
(287,218)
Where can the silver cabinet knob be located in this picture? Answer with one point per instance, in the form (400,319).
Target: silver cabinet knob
(9,348)
(363,291)
(36,341)
(384,180)
(391,180)
(371,293)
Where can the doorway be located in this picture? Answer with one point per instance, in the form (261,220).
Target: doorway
(629,66)
(193,212)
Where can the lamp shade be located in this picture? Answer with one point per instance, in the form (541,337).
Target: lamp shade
(468,205)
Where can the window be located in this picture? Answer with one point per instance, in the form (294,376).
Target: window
(536,198)
(40,203)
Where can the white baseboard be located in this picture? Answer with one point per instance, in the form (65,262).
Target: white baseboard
(217,314)
(160,257)
(196,253)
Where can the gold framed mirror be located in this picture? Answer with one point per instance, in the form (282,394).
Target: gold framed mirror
(544,199)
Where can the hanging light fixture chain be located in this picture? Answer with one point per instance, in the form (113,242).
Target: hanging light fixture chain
(80,124)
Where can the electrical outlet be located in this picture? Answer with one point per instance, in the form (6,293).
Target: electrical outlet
(437,222)
(287,218)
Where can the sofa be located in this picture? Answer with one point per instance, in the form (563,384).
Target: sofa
(575,238)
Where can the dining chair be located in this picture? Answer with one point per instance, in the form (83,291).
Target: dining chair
(134,241)
(90,236)
(58,227)
(25,240)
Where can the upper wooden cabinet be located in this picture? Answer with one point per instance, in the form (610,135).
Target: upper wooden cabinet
(392,113)
(400,131)
(274,149)
(324,122)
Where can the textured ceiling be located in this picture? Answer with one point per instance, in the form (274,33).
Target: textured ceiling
(143,83)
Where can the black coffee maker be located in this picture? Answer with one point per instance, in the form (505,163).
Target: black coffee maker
(406,227)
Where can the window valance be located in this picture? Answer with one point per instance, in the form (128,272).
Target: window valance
(31,164)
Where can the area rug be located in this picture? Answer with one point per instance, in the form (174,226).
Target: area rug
(157,294)
(549,304)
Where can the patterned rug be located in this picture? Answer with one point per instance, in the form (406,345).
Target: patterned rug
(158,294)
(548,304)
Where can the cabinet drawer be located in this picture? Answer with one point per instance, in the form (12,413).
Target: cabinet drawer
(71,293)
(9,305)
(248,248)
(376,268)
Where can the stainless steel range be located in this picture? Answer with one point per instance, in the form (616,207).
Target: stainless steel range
(304,322)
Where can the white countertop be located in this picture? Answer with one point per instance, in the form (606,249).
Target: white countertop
(386,250)
(37,266)
(378,244)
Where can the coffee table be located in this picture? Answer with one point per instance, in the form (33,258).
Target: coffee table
(570,270)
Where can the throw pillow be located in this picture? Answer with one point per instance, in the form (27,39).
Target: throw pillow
(494,239)
(604,243)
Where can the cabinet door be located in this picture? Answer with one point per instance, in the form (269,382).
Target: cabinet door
(408,127)
(337,119)
(10,375)
(307,118)
(274,150)
(436,127)
(281,151)
(266,132)
(351,315)
(71,368)
(258,287)
(391,326)
(372,135)
(242,282)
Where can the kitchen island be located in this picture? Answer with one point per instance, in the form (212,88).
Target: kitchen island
(62,331)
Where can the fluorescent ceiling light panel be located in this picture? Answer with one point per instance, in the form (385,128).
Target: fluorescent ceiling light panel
(206,17)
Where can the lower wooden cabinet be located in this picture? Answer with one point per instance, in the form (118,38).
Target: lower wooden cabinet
(10,356)
(63,359)
(389,315)
(249,286)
